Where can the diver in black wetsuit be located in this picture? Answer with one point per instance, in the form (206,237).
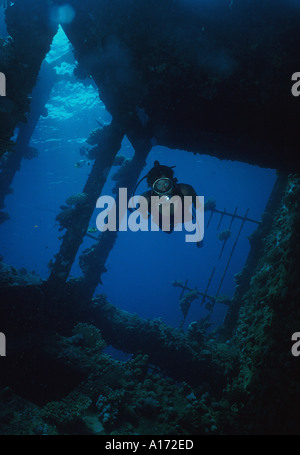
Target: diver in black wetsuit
(165,186)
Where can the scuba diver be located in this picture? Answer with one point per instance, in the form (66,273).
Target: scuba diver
(165,186)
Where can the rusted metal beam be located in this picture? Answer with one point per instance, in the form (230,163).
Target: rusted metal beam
(93,260)
(78,218)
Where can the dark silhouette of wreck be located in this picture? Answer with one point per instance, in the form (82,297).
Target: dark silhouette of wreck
(161,59)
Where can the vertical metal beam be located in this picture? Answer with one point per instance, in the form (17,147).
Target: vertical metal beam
(109,145)
(233,217)
(25,51)
(183,289)
(221,219)
(232,251)
(207,286)
(94,259)
(40,96)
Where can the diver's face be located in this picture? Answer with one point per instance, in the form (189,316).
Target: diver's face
(163,185)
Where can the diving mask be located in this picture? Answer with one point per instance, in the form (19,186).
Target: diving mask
(163,186)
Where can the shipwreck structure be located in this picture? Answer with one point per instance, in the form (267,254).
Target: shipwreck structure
(213,78)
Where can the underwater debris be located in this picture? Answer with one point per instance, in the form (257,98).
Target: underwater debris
(75,204)
(112,136)
(224,235)
(210,204)
(119,160)
(6,106)
(92,230)
(197,331)
(68,411)
(209,306)
(81,163)
(77,199)
(83,151)
(191,295)
(224,299)
(177,284)
(10,276)
(95,136)
(4,217)
(6,146)
(88,337)
(65,218)
(186,301)
(88,258)
(121,176)
(31,153)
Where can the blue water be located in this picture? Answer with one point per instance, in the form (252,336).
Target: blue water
(3,31)
(143,265)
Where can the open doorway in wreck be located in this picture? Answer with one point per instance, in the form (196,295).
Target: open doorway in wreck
(147,273)
(53,261)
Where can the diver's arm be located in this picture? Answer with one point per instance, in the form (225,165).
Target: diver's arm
(188,190)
